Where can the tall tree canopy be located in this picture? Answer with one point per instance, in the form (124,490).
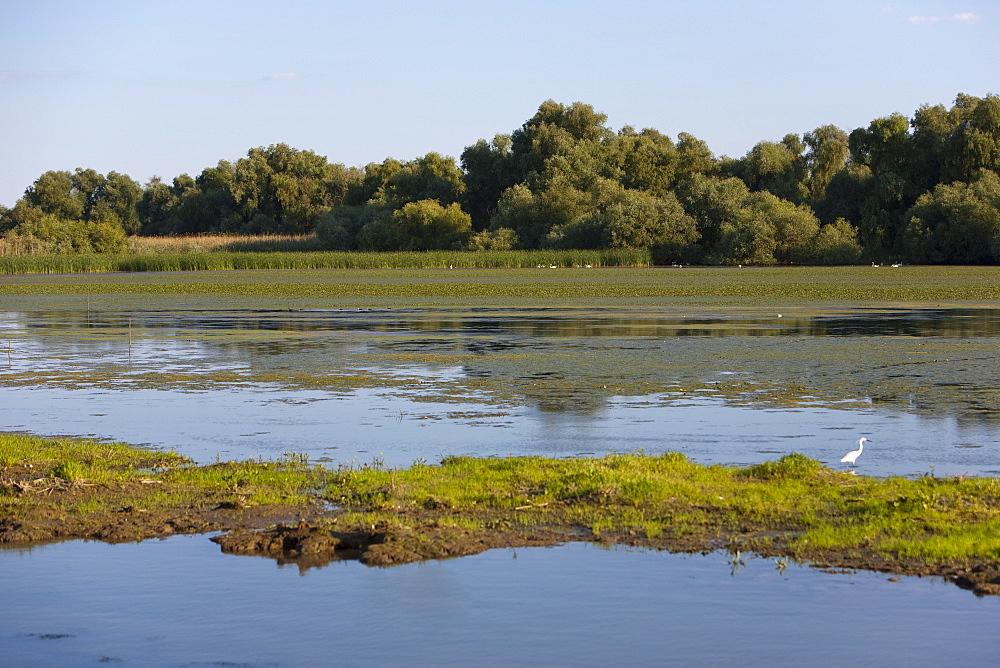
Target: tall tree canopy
(918,189)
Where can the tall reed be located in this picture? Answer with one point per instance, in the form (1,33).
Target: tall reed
(222,260)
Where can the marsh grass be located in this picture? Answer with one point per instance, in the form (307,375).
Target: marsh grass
(793,507)
(75,456)
(198,244)
(265,254)
(371,280)
(151,479)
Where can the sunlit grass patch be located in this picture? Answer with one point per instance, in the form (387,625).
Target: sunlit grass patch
(817,509)
(74,456)
(793,506)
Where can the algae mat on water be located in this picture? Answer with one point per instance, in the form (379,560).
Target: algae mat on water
(793,507)
(666,288)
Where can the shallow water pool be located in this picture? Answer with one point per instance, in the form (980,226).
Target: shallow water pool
(348,386)
(182,602)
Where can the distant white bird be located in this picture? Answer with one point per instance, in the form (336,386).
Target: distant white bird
(853,455)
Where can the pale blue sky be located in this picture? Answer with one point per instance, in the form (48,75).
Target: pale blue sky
(171,87)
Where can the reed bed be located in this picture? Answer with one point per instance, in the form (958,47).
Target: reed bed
(230,260)
(211,243)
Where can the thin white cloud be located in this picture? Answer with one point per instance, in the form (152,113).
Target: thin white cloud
(281,76)
(961,17)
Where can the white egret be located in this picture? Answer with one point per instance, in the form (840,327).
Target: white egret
(852,456)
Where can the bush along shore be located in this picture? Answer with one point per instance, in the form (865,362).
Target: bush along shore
(791,508)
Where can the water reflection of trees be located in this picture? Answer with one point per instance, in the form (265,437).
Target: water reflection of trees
(540,323)
(575,361)
(959,323)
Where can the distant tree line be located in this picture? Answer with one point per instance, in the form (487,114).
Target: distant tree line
(919,190)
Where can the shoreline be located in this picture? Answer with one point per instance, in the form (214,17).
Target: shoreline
(793,508)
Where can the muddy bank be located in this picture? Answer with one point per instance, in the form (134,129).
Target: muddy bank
(793,508)
(125,518)
(309,546)
(308,536)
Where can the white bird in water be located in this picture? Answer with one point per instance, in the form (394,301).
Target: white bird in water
(852,456)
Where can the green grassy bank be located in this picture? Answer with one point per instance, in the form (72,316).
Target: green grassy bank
(793,507)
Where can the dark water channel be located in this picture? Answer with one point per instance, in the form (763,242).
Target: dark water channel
(348,386)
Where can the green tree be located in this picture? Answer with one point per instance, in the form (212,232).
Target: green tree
(885,148)
(21,213)
(956,223)
(51,234)
(766,230)
(487,172)
(341,227)
(431,177)
(643,221)
(694,157)
(117,200)
(974,142)
(558,131)
(533,215)
(88,183)
(794,225)
(500,239)
(290,187)
(836,243)
(56,193)
(645,160)
(371,186)
(426,225)
(712,202)
(846,194)
(747,239)
(157,208)
(827,154)
(778,168)
(931,128)
(83,195)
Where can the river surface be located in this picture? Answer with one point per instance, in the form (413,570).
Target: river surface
(344,387)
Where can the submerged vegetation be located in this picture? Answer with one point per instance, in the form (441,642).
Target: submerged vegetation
(619,287)
(793,507)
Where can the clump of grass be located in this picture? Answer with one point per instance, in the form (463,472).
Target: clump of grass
(813,509)
(794,465)
(68,470)
(252,482)
(46,454)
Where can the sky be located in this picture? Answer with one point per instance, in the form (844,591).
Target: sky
(156,88)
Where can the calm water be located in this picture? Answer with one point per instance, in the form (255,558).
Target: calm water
(253,422)
(180,602)
(346,386)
